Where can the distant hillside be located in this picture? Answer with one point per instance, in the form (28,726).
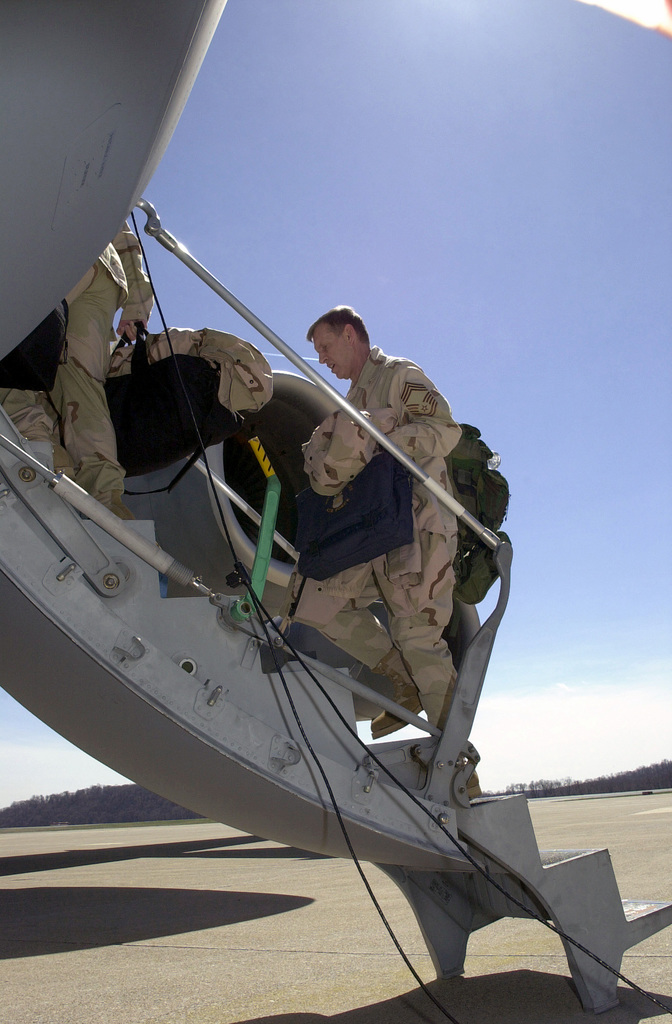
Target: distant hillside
(655,776)
(99,805)
(96,805)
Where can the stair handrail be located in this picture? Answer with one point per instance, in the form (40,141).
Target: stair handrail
(155,230)
(453,748)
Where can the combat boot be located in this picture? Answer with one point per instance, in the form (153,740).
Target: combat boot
(405,693)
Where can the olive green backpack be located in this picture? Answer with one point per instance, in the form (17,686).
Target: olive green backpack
(484,493)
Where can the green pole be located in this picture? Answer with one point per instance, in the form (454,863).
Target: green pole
(244,607)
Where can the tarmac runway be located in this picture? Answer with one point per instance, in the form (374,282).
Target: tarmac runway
(198,923)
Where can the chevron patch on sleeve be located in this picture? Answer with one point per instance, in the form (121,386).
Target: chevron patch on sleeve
(417,398)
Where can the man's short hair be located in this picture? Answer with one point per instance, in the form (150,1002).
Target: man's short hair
(339,316)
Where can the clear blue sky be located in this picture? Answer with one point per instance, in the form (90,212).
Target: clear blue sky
(490,185)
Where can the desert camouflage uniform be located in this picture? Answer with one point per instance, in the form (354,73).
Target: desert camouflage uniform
(116,281)
(28,414)
(415,582)
(245,376)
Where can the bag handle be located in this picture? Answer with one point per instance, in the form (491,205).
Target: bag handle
(139,360)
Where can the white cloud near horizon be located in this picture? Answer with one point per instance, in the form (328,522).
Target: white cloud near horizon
(571,731)
(574,730)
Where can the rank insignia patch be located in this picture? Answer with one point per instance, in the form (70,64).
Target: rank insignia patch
(418,399)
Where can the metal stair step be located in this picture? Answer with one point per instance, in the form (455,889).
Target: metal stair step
(634,909)
(549,858)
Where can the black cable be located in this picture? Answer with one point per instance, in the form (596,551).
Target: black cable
(259,608)
(186,394)
(266,618)
(461,849)
(245,577)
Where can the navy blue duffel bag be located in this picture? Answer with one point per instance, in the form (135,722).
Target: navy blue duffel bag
(372,515)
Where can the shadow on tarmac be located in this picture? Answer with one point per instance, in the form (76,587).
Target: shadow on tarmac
(108,855)
(509,997)
(44,920)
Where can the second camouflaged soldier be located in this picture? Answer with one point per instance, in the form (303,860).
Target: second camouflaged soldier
(414,582)
(75,411)
(116,281)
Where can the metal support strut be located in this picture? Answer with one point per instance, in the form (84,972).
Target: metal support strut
(74,495)
(169,242)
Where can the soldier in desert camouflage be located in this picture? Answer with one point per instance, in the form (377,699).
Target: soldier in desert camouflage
(116,281)
(75,411)
(415,582)
(77,405)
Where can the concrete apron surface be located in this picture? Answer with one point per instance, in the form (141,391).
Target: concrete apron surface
(198,923)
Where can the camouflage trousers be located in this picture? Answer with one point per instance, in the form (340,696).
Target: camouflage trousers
(29,413)
(79,393)
(82,439)
(87,431)
(417,617)
(75,416)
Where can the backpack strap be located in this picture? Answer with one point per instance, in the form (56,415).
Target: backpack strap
(139,361)
(176,479)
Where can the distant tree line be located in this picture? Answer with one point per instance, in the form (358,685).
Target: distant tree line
(96,805)
(102,805)
(655,776)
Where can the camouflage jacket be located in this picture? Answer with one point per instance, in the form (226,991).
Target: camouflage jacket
(406,406)
(122,259)
(403,403)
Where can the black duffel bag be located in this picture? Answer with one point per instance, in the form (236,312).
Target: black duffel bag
(372,515)
(32,364)
(151,414)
